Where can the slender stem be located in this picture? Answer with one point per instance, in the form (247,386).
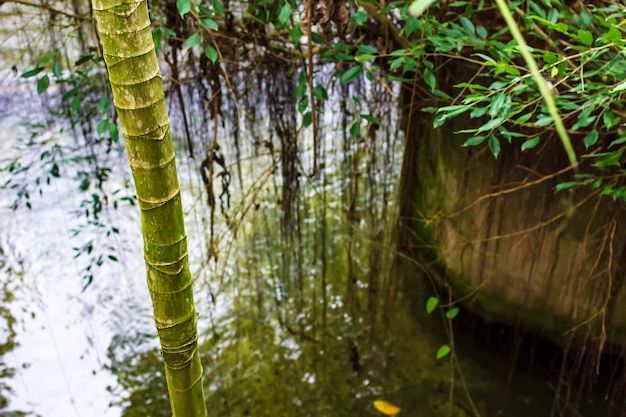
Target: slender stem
(541,82)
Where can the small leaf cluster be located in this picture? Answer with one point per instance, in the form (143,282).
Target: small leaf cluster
(431,305)
(580,54)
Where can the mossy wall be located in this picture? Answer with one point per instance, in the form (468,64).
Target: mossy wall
(509,246)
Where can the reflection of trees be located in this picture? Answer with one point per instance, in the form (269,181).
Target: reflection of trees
(141,389)
(7,336)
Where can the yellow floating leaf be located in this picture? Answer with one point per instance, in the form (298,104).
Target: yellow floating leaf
(386,408)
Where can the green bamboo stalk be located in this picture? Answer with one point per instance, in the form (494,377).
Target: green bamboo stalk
(125,31)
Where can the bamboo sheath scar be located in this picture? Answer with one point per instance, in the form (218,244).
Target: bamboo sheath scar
(129,53)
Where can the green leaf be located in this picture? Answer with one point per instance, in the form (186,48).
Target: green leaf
(419,6)
(192,41)
(56,69)
(497,104)
(474,141)
(83,59)
(431,304)
(494,146)
(550,57)
(46,58)
(317,38)
(618,141)
(491,124)
(370,118)
(296,33)
(76,102)
(443,351)
(478,112)
(303,103)
(591,139)
(157,38)
(619,87)
(355,129)
(530,143)
(429,79)
(543,121)
(360,17)
(585,37)
(523,118)
(285,14)
(472,86)
(452,313)
(609,159)
(209,23)
(351,74)
(610,119)
(183,6)
(54,170)
(32,73)
(43,84)
(564,186)
(320,92)
(218,6)
(467,24)
(211,53)
(584,119)
(364,58)
(114,132)
(307,119)
(103,105)
(103,126)
(367,49)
